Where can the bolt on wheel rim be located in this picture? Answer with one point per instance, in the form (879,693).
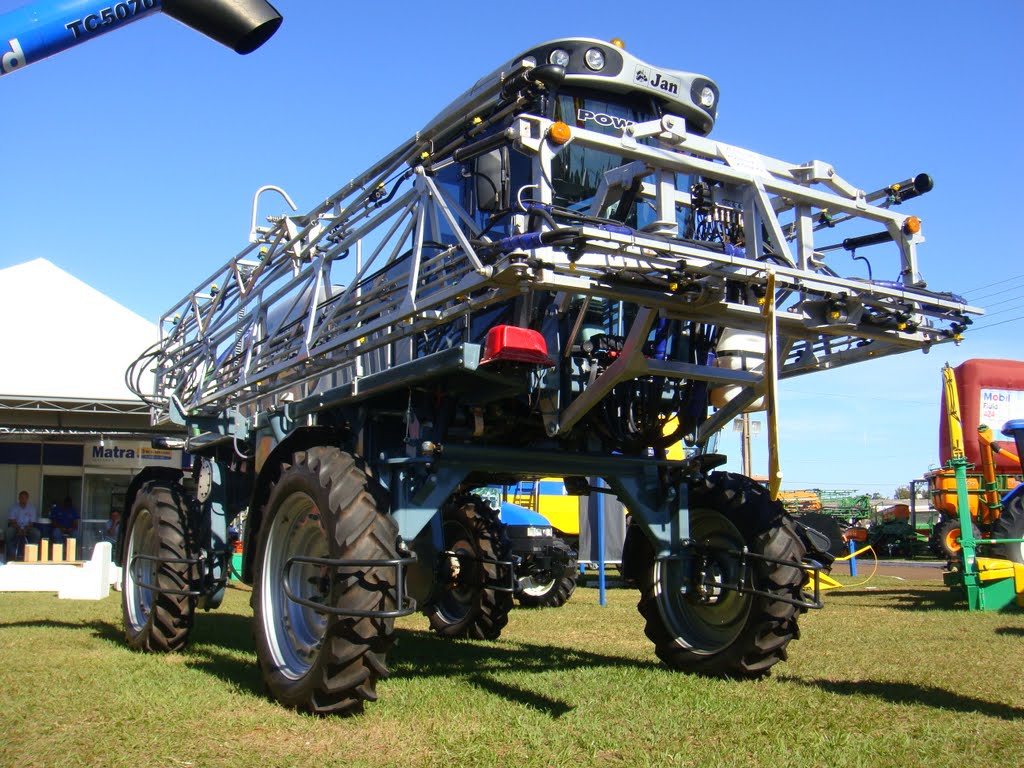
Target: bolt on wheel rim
(143,540)
(295,632)
(708,617)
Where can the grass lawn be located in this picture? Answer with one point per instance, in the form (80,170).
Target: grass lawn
(895,673)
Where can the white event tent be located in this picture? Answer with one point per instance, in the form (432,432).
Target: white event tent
(65,348)
(69,426)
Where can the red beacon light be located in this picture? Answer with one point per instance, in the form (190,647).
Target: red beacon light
(509,343)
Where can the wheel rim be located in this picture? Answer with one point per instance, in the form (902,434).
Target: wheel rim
(460,595)
(142,540)
(709,618)
(536,588)
(952,540)
(294,632)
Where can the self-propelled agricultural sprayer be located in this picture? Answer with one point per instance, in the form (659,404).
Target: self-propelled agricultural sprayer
(560,275)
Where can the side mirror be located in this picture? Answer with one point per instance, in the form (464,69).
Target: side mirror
(492,180)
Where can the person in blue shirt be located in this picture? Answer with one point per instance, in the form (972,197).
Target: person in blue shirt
(63,521)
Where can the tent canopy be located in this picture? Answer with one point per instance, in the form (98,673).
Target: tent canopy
(64,339)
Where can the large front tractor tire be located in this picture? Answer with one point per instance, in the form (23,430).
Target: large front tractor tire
(464,603)
(699,624)
(158,571)
(314,655)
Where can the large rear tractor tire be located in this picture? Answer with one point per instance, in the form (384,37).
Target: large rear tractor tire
(156,566)
(462,604)
(712,630)
(324,505)
(1010,525)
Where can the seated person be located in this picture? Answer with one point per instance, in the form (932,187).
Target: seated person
(21,526)
(111,527)
(63,521)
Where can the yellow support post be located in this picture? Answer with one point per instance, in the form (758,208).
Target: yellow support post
(771,379)
(956,429)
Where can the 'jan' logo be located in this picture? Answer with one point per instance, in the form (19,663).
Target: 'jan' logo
(654,79)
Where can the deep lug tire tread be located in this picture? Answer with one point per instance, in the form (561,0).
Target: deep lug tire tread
(488,614)
(169,624)
(771,624)
(1010,525)
(352,656)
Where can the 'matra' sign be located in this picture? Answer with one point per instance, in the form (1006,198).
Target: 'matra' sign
(125,454)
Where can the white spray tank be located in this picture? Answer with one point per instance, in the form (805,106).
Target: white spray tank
(738,351)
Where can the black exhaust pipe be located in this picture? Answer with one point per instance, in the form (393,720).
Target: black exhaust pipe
(242,25)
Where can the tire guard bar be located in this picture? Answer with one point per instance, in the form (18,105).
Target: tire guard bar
(408,604)
(743,587)
(499,584)
(192,561)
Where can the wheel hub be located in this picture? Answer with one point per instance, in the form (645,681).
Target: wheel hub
(709,580)
(451,568)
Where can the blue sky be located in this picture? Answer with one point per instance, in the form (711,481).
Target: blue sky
(130,161)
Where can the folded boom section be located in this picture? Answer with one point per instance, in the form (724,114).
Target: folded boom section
(638,251)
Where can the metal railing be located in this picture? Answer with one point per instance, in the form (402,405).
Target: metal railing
(345,291)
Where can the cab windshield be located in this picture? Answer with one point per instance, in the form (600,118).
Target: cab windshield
(576,170)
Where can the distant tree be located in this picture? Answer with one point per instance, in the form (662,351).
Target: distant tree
(876,496)
(903,492)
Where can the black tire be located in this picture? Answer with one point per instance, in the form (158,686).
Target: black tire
(944,539)
(156,620)
(462,606)
(723,632)
(553,594)
(1010,525)
(324,505)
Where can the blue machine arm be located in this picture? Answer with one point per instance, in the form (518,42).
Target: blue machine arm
(46,27)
